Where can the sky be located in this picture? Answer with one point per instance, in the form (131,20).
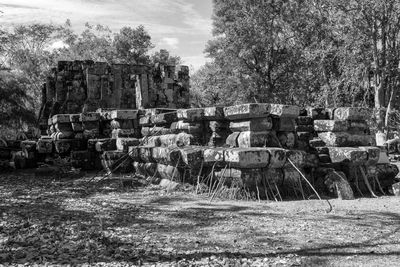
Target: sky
(181,26)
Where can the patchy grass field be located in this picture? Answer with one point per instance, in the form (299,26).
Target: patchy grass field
(65,221)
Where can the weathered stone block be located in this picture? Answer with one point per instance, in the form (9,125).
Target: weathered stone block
(187,127)
(123,133)
(145,121)
(247,157)
(255,125)
(127,114)
(373,154)
(214,113)
(89,116)
(348,154)
(252,139)
(191,156)
(148,131)
(213,155)
(350,113)
(123,143)
(164,118)
(63,127)
(162,155)
(247,111)
(287,111)
(342,139)
(151,141)
(106,145)
(297,157)
(331,126)
(277,157)
(191,115)
(60,118)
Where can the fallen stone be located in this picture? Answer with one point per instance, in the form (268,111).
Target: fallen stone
(89,116)
(277,157)
(214,113)
(343,139)
(106,145)
(330,126)
(247,157)
(373,154)
(164,118)
(149,131)
(255,125)
(247,111)
(61,118)
(128,114)
(348,154)
(191,115)
(169,185)
(350,113)
(297,157)
(191,156)
(122,143)
(124,133)
(252,139)
(212,156)
(286,111)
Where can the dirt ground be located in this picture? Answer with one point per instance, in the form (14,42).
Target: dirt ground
(69,221)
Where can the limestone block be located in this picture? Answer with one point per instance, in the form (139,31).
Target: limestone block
(162,155)
(123,143)
(351,113)
(63,135)
(164,118)
(145,121)
(106,145)
(287,111)
(44,146)
(214,113)
(247,157)
(331,126)
(373,154)
(191,156)
(89,116)
(252,139)
(148,131)
(191,115)
(123,133)
(60,118)
(255,125)
(343,139)
(348,154)
(151,141)
(247,111)
(168,140)
(124,114)
(184,139)
(297,157)
(277,157)
(213,155)
(187,127)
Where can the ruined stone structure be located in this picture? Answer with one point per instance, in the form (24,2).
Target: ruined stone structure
(135,119)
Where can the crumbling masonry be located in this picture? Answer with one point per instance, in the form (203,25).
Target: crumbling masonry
(136,119)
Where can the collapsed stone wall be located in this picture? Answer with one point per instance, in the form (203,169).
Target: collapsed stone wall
(262,149)
(135,119)
(84,86)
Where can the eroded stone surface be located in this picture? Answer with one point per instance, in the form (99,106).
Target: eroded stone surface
(247,157)
(350,113)
(247,111)
(288,111)
(343,139)
(330,126)
(255,125)
(348,154)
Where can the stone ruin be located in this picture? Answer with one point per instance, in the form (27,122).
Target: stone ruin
(136,120)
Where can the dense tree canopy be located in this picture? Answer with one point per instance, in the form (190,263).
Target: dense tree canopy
(321,52)
(28,52)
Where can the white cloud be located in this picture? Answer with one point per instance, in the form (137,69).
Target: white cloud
(171,42)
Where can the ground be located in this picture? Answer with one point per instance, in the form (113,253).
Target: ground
(103,223)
